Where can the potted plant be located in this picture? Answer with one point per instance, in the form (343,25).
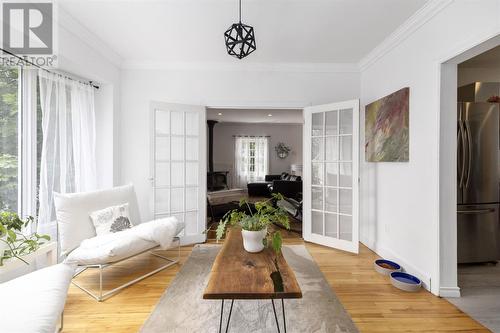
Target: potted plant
(13,242)
(254,224)
(9,224)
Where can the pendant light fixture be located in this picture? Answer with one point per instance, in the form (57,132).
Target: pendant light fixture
(240,39)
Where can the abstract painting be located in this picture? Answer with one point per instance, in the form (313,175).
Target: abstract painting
(387,128)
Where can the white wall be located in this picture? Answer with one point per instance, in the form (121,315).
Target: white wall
(468,75)
(211,88)
(290,134)
(399,201)
(400,209)
(80,53)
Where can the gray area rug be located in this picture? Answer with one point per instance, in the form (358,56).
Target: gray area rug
(182,308)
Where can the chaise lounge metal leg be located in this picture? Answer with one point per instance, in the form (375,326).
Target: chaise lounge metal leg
(61,323)
(100,283)
(102,296)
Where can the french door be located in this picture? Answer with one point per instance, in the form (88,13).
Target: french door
(179,166)
(331,164)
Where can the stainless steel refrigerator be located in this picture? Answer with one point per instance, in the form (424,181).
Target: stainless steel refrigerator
(478,170)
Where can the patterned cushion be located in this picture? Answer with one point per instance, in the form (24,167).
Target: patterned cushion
(111,219)
(285,176)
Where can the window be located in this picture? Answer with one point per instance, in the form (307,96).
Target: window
(251,159)
(251,162)
(20,135)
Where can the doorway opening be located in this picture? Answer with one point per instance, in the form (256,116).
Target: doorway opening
(256,154)
(320,186)
(253,153)
(478,195)
(469,215)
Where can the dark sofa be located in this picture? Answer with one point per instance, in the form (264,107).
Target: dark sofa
(288,185)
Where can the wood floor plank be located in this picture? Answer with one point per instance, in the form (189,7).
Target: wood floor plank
(374,305)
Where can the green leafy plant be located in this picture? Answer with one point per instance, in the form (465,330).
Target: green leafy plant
(11,234)
(264,214)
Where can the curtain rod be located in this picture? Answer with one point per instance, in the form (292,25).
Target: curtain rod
(90,83)
(251,136)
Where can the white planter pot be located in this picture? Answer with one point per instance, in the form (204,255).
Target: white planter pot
(252,240)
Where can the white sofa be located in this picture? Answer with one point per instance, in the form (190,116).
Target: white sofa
(82,247)
(33,303)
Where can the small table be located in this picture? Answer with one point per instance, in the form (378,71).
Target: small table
(237,274)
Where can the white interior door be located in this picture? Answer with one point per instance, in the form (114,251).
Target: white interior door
(331,163)
(179,166)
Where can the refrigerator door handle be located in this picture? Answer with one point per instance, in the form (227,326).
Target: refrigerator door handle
(459,149)
(462,164)
(476,211)
(469,153)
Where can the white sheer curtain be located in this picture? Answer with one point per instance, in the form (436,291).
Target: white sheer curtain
(251,156)
(68,149)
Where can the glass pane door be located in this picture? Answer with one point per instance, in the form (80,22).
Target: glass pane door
(331,180)
(179,163)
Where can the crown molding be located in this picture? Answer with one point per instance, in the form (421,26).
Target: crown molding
(412,24)
(243,66)
(73,26)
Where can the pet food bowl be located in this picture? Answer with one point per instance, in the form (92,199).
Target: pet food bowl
(386,267)
(405,281)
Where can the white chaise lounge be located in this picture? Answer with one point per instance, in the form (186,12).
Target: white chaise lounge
(33,303)
(81,246)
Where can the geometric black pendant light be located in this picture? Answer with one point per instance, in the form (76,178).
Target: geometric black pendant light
(240,39)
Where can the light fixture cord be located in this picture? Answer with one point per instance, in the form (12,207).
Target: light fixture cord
(240,11)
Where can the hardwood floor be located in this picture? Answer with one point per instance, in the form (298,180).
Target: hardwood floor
(370,299)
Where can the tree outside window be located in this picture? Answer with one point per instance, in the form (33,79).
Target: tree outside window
(14,126)
(9,145)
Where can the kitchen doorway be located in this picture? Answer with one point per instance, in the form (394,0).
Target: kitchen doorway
(470,196)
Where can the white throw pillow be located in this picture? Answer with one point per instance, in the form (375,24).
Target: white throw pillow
(111,219)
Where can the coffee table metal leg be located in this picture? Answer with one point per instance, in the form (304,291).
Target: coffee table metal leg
(221,314)
(229,318)
(274,311)
(284,318)
(275,316)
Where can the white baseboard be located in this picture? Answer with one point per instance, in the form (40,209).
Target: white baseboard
(388,254)
(449,292)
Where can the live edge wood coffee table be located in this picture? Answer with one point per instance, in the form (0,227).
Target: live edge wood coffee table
(240,275)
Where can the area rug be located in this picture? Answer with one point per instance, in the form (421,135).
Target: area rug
(182,308)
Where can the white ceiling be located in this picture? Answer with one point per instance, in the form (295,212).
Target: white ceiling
(488,59)
(284,116)
(287,31)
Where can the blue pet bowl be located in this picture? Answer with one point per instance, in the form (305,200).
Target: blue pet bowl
(386,267)
(405,281)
